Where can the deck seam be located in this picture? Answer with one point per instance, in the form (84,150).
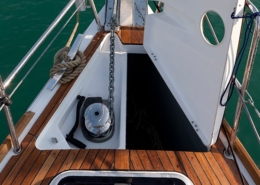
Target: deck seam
(149,161)
(138,159)
(87,151)
(179,159)
(30,149)
(47,179)
(196,170)
(229,163)
(96,158)
(193,176)
(40,174)
(106,160)
(229,180)
(163,165)
(89,156)
(215,171)
(36,167)
(28,170)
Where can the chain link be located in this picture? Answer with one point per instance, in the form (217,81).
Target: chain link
(112,69)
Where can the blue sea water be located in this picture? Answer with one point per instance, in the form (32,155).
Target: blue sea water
(23,21)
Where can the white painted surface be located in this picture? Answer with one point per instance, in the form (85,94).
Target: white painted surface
(151,174)
(195,71)
(126,13)
(92,82)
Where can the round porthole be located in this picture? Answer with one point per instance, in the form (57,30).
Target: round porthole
(213,29)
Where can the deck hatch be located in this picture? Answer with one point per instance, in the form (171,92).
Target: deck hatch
(195,71)
(77,177)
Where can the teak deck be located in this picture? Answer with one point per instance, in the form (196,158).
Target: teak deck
(33,166)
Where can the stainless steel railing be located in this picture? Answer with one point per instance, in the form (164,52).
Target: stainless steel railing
(247,74)
(5,84)
(37,44)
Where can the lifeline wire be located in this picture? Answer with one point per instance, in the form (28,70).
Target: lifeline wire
(38,59)
(251,17)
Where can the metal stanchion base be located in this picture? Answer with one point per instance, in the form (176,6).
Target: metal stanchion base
(228,155)
(17,151)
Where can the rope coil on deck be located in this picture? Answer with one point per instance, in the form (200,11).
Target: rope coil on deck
(73,66)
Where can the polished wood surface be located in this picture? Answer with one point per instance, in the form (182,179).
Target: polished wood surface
(131,35)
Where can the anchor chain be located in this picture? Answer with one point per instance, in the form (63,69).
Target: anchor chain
(112,69)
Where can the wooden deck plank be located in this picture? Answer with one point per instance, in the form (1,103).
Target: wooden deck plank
(112,166)
(197,167)
(126,35)
(17,167)
(69,160)
(131,35)
(44,168)
(134,39)
(156,162)
(109,160)
(5,147)
(224,166)
(19,127)
(230,163)
(141,30)
(131,166)
(145,160)
(242,153)
(89,159)
(135,161)
(188,168)
(55,166)
(14,160)
(136,33)
(175,162)
(217,170)
(207,168)
(122,160)
(165,160)
(79,159)
(23,122)
(99,159)
(26,167)
(37,166)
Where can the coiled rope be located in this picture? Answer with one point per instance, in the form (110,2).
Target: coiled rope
(73,66)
